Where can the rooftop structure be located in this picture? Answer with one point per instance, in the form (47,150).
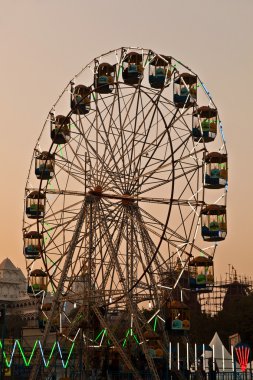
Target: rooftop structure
(12,282)
(224,291)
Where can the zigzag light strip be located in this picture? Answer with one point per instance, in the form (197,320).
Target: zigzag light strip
(27,361)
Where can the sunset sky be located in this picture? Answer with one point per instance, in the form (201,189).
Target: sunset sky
(44,43)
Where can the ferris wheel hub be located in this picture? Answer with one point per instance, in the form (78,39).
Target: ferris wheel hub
(97,190)
(127,199)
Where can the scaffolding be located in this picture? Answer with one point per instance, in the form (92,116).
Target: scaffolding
(224,290)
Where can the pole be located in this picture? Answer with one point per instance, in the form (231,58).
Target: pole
(250,368)
(170,356)
(187,357)
(204,358)
(223,359)
(213,359)
(178,358)
(195,358)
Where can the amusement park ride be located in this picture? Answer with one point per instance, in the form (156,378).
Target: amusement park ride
(128,177)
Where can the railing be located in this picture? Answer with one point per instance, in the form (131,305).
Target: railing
(247,375)
(21,372)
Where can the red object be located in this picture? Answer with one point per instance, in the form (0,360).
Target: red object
(242,353)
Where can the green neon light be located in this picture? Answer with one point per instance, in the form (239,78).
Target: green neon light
(155,324)
(50,184)
(51,354)
(135,337)
(125,340)
(101,332)
(70,352)
(34,347)
(130,331)
(45,238)
(49,231)
(27,363)
(119,72)
(7,364)
(53,288)
(60,147)
(22,353)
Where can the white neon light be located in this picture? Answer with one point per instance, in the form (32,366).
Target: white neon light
(153,316)
(163,320)
(213,358)
(42,354)
(178,359)
(195,357)
(232,357)
(204,359)
(170,356)
(102,337)
(163,286)
(187,357)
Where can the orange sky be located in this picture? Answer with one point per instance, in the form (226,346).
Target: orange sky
(45,43)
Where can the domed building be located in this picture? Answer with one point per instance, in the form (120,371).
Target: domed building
(12,282)
(13,293)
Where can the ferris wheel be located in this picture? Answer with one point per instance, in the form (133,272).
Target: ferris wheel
(128,177)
